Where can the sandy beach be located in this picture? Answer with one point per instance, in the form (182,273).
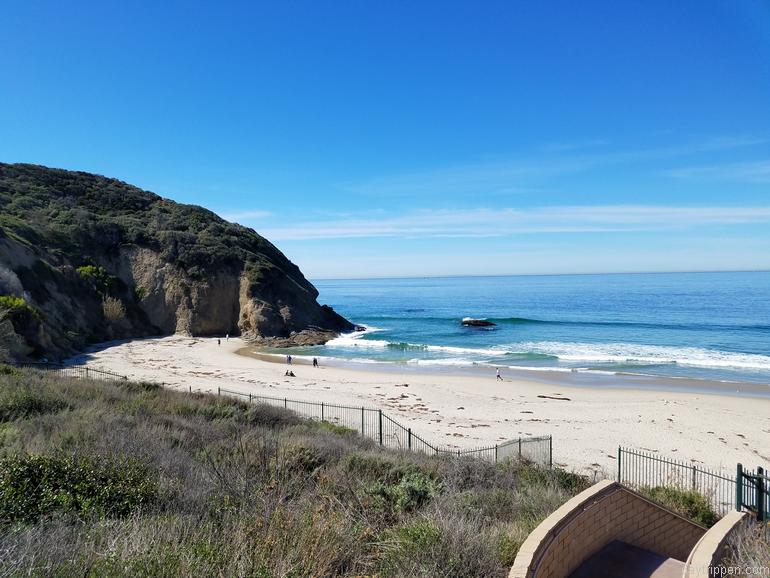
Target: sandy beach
(587,423)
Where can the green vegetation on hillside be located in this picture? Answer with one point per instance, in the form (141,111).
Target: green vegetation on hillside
(126,479)
(85,259)
(86,216)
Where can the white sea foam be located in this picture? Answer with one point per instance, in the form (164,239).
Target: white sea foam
(451,361)
(567,352)
(630,353)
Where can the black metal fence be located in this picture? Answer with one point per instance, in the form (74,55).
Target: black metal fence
(74,371)
(638,470)
(375,424)
(753,492)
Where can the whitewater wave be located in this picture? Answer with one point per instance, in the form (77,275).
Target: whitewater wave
(576,355)
(636,354)
(356,339)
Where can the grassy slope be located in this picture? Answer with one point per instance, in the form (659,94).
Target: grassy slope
(206,486)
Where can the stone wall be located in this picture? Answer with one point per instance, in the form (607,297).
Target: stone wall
(605,512)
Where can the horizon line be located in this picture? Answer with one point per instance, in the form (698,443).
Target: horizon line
(460,276)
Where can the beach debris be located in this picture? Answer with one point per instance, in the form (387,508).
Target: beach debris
(402,385)
(553,397)
(526,411)
(471,322)
(461,407)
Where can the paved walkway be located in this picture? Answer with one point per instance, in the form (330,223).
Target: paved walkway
(618,559)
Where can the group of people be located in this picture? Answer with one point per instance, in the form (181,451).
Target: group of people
(227,338)
(289,360)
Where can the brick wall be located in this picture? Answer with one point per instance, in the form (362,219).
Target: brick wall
(605,512)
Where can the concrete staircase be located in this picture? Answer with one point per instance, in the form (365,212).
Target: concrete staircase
(618,559)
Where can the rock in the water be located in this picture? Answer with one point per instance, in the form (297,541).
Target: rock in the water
(470,322)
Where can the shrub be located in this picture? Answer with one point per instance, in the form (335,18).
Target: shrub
(18,310)
(302,458)
(687,503)
(36,485)
(113,309)
(22,403)
(102,282)
(337,429)
(412,492)
(749,546)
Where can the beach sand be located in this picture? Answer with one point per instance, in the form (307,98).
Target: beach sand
(587,423)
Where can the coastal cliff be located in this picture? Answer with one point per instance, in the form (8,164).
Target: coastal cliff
(84,259)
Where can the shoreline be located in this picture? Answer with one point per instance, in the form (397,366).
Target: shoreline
(587,422)
(548,376)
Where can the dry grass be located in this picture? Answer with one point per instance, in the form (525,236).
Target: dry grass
(750,547)
(256,491)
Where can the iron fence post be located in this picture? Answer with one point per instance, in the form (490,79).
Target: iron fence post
(619,458)
(739,488)
(519,449)
(380,412)
(285,403)
(550,451)
(409,437)
(363,421)
(760,494)
(249,398)
(694,470)
(495,453)
(322,411)
(219,391)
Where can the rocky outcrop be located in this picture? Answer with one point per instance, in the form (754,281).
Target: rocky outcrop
(92,259)
(470,322)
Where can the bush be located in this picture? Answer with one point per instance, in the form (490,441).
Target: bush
(18,310)
(337,429)
(687,503)
(749,546)
(102,282)
(23,403)
(412,492)
(113,309)
(38,485)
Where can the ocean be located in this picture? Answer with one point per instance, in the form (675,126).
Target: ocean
(713,326)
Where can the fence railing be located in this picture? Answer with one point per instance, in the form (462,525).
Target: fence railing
(76,371)
(639,469)
(377,425)
(753,492)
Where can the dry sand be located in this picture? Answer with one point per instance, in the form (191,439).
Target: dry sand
(716,431)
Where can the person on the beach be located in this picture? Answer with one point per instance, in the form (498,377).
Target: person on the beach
(219,341)
(315,362)
(498,374)
(227,337)
(288,360)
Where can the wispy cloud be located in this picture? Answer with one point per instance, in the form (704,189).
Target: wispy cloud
(485,222)
(517,175)
(747,172)
(245,215)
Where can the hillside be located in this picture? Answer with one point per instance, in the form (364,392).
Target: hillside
(128,479)
(84,258)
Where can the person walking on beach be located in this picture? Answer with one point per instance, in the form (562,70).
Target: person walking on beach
(227,337)
(315,362)
(219,341)
(288,360)
(498,374)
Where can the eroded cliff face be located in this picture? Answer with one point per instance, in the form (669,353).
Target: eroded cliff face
(86,259)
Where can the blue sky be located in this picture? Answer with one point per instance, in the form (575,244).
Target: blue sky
(418,138)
